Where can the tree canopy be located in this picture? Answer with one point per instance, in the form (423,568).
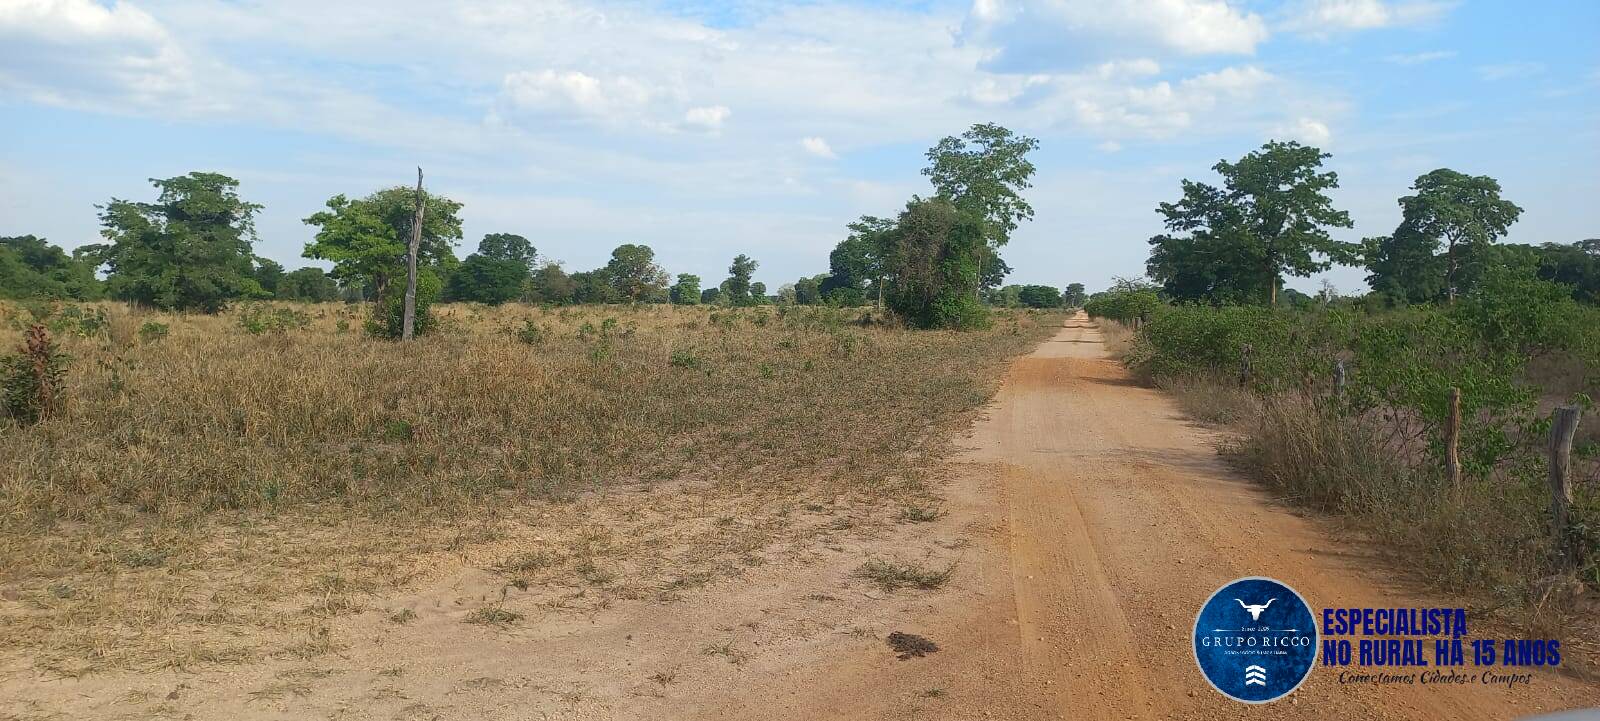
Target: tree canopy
(1464,211)
(367,239)
(33,268)
(189,250)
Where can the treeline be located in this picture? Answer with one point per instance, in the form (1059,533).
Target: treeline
(935,263)
(1271,217)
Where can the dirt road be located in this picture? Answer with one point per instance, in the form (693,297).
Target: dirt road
(1103,520)
(1086,522)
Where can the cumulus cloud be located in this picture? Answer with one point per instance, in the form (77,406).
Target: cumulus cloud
(80,53)
(1034,35)
(818,147)
(1306,130)
(707,118)
(1335,16)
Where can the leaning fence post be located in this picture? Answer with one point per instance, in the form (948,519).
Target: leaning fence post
(1452,440)
(1563,427)
(1244,366)
(1338,379)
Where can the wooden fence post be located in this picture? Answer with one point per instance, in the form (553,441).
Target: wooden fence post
(1452,441)
(1244,366)
(1338,379)
(1563,426)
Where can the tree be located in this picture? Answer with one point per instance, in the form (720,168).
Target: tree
(308,284)
(931,265)
(551,284)
(1074,296)
(1403,268)
(189,250)
(33,268)
(1576,266)
(1272,212)
(855,267)
(1211,269)
(758,294)
(711,296)
(1464,211)
(808,291)
(268,273)
(633,273)
(687,290)
(483,279)
(984,171)
(367,239)
(507,246)
(737,287)
(1039,296)
(593,286)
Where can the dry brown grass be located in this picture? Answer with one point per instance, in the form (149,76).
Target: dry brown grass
(1118,338)
(215,496)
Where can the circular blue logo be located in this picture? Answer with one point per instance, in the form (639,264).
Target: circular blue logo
(1255,640)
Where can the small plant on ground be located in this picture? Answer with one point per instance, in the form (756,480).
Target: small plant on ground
(33,380)
(256,320)
(894,575)
(493,616)
(152,331)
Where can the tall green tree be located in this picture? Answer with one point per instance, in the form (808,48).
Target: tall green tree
(984,171)
(633,273)
(509,246)
(189,250)
(1463,211)
(737,287)
(855,267)
(1074,296)
(687,290)
(931,262)
(1403,267)
(1272,211)
(551,284)
(367,239)
(268,273)
(482,279)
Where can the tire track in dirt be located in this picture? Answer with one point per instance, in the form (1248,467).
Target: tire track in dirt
(1118,521)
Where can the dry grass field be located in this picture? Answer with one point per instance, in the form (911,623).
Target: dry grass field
(208,495)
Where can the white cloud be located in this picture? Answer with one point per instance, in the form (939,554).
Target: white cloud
(818,147)
(82,54)
(1419,58)
(1507,71)
(1109,146)
(1321,17)
(707,118)
(1306,130)
(1024,35)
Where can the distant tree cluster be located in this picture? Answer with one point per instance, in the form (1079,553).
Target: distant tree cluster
(1270,219)
(933,263)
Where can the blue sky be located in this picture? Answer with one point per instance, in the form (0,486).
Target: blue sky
(707,129)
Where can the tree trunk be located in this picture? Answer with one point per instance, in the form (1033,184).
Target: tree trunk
(409,320)
(1272,295)
(1450,271)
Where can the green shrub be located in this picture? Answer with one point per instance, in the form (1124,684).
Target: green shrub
(257,319)
(32,381)
(152,331)
(388,313)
